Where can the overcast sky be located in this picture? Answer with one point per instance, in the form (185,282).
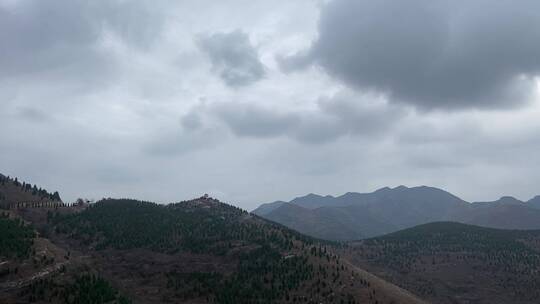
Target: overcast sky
(253,101)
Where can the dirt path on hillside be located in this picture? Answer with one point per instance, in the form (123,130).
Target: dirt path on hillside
(43,247)
(398,294)
(7,286)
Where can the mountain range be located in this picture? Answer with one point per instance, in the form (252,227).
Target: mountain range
(354,216)
(122,251)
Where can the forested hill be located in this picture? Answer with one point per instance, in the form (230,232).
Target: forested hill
(12,190)
(439,260)
(206,251)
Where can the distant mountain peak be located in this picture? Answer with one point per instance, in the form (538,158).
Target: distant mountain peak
(384,189)
(390,209)
(312,201)
(267,208)
(534,202)
(535,199)
(405,188)
(509,199)
(401,187)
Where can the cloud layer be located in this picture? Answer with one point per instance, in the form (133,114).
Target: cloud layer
(432,54)
(344,114)
(168,100)
(233,57)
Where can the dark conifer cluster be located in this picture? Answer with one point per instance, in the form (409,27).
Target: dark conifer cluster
(16,238)
(85,289)
(274,264)
(28,188)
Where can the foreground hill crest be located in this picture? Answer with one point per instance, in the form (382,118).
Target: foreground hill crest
(206,251)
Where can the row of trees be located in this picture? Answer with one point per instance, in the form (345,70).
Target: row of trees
(33,189)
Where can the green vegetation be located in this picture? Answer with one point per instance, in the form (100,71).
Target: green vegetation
(193,285)
(264,276)
(509,258)
(86,289)
(125,224)
(16,238)
(89,289)
(273,263)
(502,248)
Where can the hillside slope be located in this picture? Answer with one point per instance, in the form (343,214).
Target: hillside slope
(456,263)
(517,215)
(27,261)
(338,224)
(534,203)
(205,251)
(14,191)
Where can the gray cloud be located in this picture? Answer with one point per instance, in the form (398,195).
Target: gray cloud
(341,115)
(433,54)
(64,39)
(194,132)
(174,143)
(255,121)
(34,115)
(38,36)
(233,57)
